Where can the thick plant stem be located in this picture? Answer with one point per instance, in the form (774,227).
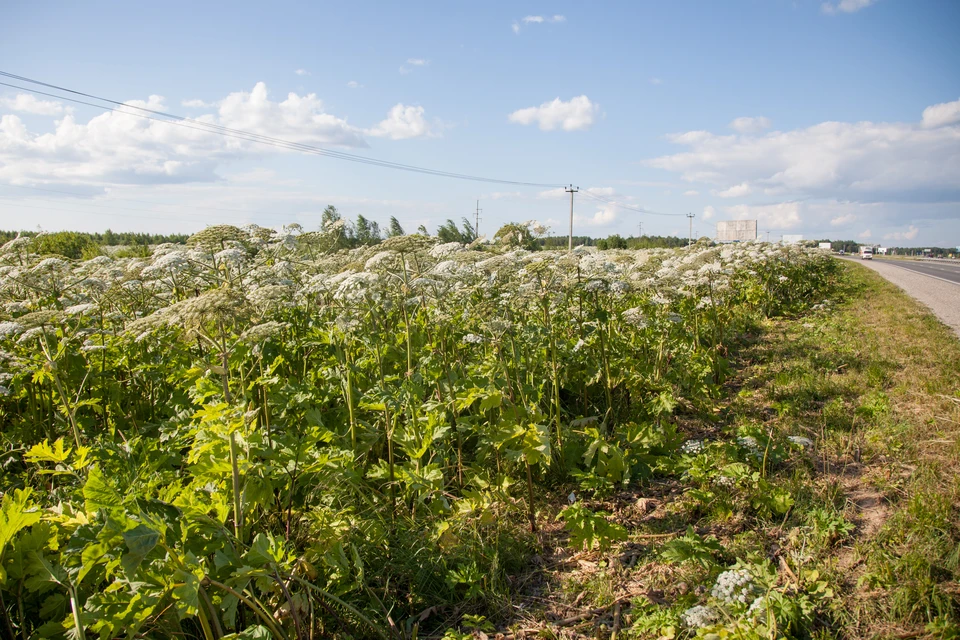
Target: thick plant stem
(237,507)
(530,512)
(75,608)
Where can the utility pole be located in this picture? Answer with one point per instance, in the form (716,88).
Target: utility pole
(640,231)
(476,220)
(571,190)
(691,216)
(768,236)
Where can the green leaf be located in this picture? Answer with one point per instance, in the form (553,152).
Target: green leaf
(99,494)
(43,452)
(16,513)
(140,541)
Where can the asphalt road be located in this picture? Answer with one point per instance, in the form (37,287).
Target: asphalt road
(944,270)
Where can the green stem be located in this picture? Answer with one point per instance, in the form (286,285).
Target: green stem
(349,607)
(263,615)
(237,507)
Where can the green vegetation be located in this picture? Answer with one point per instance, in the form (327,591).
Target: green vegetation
(266,434)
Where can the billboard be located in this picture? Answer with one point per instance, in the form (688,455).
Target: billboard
(824,245)
(792,239)
(736,230)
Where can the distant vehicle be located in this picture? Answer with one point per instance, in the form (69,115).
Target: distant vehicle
(866,253)
(841,251)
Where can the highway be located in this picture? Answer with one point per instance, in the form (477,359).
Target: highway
(949,271)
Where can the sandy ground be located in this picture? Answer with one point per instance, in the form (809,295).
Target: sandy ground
(942,297)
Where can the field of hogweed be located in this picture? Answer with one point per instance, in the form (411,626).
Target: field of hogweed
(257,435)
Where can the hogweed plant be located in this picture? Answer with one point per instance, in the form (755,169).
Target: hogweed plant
(275,437)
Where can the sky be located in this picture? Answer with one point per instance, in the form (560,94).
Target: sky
(831,119)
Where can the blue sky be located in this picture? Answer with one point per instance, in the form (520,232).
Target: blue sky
(829,119)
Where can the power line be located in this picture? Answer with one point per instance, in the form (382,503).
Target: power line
(628,207)
(199,125)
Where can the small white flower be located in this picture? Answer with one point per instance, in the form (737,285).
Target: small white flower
(10,329)
(472,338)
(580,344)
(572,497)
(692,446)
(698,616)
(800,441)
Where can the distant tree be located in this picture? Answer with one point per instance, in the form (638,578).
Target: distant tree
(612,242)
(330,215)
(395,229)
(422,230)
(69,244)
(516,235)
(448,232)
(366,232)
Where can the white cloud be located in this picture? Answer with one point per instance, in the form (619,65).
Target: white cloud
(691,192)
(353,84)
(119,148)
(298,118)
(576,114)
(736,191)
(502,195)
(28,103)
(845,6)
(843,221)
(302,72)
(655,81)
(197,104)
(605,215)
(530,20)
(863,235)
(909,234)
(749,124)
(941,114)
(855,161)
(708,212)
(783,215)
(413,62)
(402,122)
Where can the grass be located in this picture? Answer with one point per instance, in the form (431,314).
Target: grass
(869,544)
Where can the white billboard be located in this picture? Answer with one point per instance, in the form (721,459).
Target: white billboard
(824,245)
(736,230)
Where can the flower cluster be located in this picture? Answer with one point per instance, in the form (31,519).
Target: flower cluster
(733,586)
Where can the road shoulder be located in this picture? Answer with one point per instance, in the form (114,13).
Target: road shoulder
(940,296)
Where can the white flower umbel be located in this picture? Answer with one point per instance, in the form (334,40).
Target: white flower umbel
(698,616)
(733,586)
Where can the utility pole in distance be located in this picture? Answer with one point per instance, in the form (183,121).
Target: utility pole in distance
(640,231)
(690,237)
(571,190)
(476,220)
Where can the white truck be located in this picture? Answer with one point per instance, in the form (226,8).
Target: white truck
(866,253)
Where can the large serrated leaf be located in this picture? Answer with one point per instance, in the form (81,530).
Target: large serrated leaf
(140,541)
(98,493)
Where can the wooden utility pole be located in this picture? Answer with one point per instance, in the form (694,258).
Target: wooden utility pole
(571,190)
(690,238)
